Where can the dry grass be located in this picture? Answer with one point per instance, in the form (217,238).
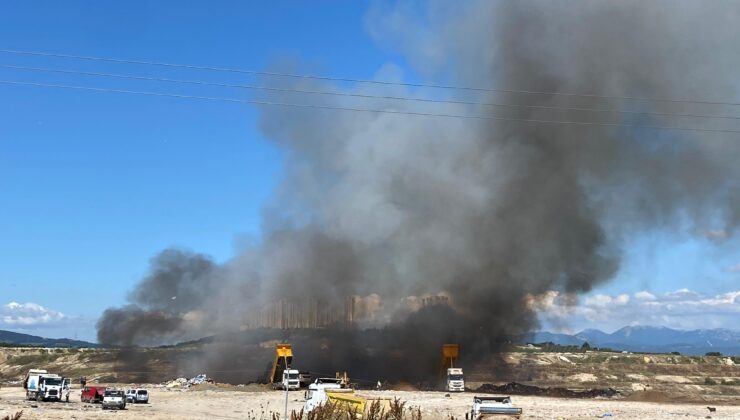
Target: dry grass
(15,416)
(397,410)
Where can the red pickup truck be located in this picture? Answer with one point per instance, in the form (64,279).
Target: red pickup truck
(92,394)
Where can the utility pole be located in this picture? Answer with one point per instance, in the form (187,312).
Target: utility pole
(285,385)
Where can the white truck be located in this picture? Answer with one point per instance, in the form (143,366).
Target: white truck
(455,380)
(499,407)
(41,385)
(291,380)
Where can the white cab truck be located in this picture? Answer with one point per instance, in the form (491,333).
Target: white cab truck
(291,380)
(455,380)
(498,407)
(41,385)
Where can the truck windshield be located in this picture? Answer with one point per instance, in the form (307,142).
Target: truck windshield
(52,381)
(456,377)
(292,376)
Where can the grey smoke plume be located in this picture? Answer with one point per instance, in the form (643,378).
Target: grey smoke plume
(485,212)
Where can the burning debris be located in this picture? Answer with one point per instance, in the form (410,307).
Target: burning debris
(484,213)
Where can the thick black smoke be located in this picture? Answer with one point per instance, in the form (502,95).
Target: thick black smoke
(486,212)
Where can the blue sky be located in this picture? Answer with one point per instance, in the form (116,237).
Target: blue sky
(92,185)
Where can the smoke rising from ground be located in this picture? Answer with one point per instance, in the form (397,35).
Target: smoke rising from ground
(487,213)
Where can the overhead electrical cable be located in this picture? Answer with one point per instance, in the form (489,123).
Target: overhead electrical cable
(369,81)
(359,95)
(370,110)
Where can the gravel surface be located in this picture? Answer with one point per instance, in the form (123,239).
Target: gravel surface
(243,404)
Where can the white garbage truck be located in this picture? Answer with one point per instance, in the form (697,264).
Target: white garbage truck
(41,385)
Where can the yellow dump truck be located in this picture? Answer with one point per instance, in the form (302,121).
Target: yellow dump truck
(282,375)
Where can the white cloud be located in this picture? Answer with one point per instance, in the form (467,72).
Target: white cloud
(644,296)
(601,301)
(29,315)
(682,309)
(734,268)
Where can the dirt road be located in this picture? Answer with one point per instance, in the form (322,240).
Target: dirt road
(218,404)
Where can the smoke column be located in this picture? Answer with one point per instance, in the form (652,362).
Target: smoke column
(487,213)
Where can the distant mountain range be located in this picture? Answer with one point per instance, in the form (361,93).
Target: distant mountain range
(638,339)
(13,338)
(650,339)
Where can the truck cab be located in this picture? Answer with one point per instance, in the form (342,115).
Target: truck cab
(49,388)
(291,379)
(455,380)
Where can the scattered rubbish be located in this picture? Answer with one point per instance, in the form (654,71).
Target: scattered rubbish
(712,409)
(177,383)
(200,379)
(606,414)
(184,383)
(516,388)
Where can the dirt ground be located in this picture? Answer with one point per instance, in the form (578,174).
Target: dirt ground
(233,404)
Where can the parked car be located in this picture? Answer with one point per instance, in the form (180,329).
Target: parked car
(131,395)
(92,394)
(142,396)
(114,399)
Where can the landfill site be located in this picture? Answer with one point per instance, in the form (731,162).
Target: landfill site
(540,385)
(370,210)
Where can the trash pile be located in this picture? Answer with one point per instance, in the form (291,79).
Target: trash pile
(177,383)
(200,379)
(184,383)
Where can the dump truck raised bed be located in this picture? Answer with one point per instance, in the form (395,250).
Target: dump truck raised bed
(283,360)
(453,376)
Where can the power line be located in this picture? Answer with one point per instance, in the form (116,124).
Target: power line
(356,80)
(357,95)
(370,110)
